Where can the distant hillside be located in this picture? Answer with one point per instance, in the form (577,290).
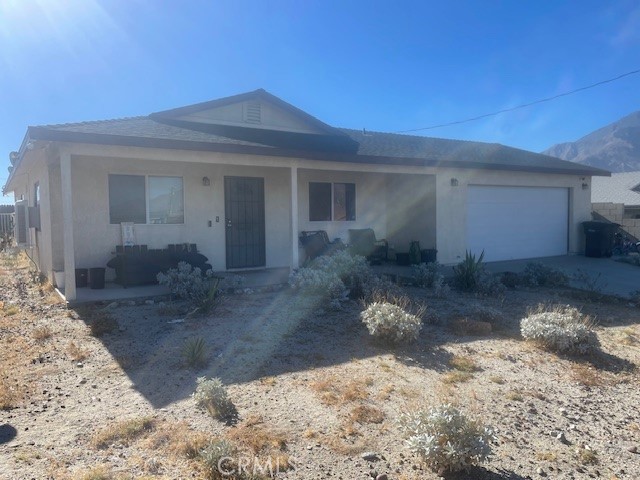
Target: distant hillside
(615,147)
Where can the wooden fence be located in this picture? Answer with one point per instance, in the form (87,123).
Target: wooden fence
(6,223)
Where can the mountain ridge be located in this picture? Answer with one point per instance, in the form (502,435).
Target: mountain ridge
(614,147)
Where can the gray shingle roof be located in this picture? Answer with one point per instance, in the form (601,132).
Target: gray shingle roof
(164,130)
(618,188)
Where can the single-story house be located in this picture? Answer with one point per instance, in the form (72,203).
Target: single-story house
(242,176)
(617,198)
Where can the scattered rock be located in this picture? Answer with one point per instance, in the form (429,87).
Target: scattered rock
(633,449)
(382,476)
(370,456)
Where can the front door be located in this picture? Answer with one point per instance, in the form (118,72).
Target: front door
(244,220)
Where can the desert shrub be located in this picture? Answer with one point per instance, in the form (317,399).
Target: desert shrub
(388,319)
(189,283)
(217,458)
(336,277)
(194,352)
(102,323)
(537,274)
(211,396)
(510,279)
(446,439)
(440,288)
(467,273)
(560,328)
(426,274)
(490,284)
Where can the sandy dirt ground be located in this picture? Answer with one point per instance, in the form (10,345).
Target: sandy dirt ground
(311,389)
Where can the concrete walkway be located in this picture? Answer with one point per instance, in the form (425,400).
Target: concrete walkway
(610,277)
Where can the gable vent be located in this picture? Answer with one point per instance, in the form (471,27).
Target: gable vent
(252,112)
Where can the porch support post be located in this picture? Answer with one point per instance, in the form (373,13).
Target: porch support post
(295,258)
(67,226)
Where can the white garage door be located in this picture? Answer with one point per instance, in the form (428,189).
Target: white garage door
(517,222)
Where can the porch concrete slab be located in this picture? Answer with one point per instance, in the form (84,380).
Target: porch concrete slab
(112,291)
(615,278)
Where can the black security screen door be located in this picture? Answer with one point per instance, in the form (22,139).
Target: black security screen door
(244,212)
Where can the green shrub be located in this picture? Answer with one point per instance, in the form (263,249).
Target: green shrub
(426,274)
(336,277)
(537,274)
(194,352)
(560,328)
(467,272)
(445,439)
(217,458)
(211,396)
(190,283)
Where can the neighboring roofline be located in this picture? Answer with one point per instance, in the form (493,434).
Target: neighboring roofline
(256,94)
(43,133)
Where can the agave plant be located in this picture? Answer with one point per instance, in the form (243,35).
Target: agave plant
(467,273)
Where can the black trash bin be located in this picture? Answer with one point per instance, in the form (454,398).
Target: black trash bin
(96,278)
(429,255)
(599,238)
(81,277)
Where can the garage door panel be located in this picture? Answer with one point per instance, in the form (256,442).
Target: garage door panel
(517,222)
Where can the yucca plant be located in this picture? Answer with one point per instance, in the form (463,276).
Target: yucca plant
(194,352)
(467,273)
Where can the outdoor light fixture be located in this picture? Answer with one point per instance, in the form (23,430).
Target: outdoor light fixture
(585,186)
(454,182)
(205,181)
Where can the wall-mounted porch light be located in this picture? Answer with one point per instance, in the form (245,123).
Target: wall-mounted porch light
(205,181)
(454,182)
(585,186)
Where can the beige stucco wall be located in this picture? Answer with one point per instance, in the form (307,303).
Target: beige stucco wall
(37,171)
(451,204)
(411,211)
(95,238)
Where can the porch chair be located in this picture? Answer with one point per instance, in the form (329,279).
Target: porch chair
(316,243)
(363,242)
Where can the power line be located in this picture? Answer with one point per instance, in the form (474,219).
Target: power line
(535,102)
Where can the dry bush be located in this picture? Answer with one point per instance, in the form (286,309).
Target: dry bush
(258,437)
(102,323)
(123,432)
(11,392)
(587,375)
(176,438)
(514,395)
(41,333)
(96,473)
(76,353)
(464,327)
(334,391)
(11,310)
(497,379)
(463,363)
(456,377)
(366,414)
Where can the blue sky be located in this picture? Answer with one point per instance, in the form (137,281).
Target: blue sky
(386,66)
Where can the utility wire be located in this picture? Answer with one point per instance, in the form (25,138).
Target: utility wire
(535,102)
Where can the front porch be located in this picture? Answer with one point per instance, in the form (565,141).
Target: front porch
(253,279)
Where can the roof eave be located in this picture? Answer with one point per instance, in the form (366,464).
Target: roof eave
(41,133)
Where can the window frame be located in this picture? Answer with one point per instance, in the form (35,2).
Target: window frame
(333,203)
(146,197)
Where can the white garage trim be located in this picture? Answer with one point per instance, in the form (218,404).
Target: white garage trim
(517,222)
